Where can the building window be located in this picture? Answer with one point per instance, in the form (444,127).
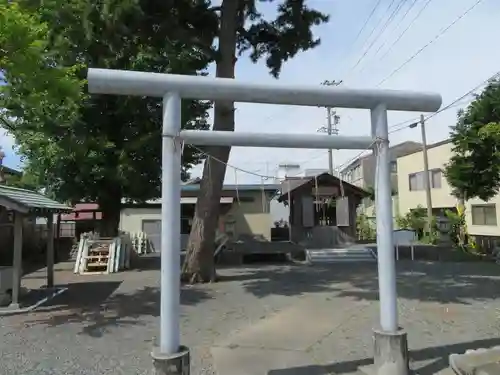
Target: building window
(354,174)
(484,214)
(348,176)
(435,177)
(417,182)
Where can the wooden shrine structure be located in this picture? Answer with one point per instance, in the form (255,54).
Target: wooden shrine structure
(321,200)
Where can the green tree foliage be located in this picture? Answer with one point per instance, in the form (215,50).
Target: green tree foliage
(474,169)
(458,228)
(242,29)
(22,181)
(365,228)
(416,220)
(97,147)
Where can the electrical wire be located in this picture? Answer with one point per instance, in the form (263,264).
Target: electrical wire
(210,157)
(366,50)
(397,26)
(384,28)
(439,35)
(453,104)
(382,45)
(365,43)
(367,21)
(417,16)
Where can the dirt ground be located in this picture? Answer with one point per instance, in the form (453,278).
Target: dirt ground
(107,324)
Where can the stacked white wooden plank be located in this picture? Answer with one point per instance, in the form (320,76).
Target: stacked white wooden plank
(110,267)
(103,256)
(140,243)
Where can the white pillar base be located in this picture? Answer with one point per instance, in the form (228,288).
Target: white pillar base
(391,355)
(171,364)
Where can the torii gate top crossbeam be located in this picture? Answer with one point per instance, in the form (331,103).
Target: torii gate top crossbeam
(120,82)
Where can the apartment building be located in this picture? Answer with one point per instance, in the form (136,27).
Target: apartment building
(361,172)
(481,216)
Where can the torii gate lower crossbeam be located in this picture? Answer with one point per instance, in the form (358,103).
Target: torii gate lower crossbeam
(172,358)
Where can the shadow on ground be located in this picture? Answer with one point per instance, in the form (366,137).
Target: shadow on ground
(436,356)
(147,262)
(99,306)
(423,281)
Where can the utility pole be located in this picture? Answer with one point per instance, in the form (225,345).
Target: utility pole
(427,179)
(332,122)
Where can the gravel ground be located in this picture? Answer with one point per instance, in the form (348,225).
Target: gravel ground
(107,324)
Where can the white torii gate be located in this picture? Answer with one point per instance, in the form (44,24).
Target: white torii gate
(170,357)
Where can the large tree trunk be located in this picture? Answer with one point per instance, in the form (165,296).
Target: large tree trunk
(110,207)
(199,265)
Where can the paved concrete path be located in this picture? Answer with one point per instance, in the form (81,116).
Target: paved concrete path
(282,343)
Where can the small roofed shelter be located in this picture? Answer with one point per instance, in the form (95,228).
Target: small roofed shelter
(321,200)
(22,204)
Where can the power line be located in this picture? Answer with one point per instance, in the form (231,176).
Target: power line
(262,176)
(430,43)
(375,27)
(388,22)
(412,5)
(453,104)
(395,128)
(367,21)
(417,16)
(395,28)
(382,29)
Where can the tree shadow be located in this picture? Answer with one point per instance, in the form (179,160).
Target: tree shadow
(422,281)
(147,262)
(99,307)
(444,282)
(287,280)
(438,357)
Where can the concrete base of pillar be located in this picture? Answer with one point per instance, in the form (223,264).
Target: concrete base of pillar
(390,354)
(171,364)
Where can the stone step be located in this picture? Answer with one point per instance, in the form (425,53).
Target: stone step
(340,255)
(340,251)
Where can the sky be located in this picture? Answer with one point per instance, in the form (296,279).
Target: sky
(462,57)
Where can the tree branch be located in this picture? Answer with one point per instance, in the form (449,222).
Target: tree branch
(6,124)
(280,40)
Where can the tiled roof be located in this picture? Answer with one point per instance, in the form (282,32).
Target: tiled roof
(291,184)
(31,200)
